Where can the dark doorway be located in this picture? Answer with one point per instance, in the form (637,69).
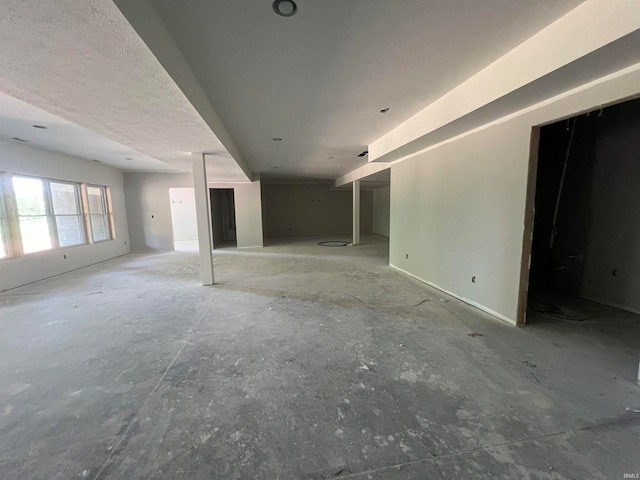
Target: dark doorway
(223,217)
(586,228)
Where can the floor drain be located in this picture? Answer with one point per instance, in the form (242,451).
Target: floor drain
(333,243)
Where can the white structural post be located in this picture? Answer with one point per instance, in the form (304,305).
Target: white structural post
(203,217)
(356,212)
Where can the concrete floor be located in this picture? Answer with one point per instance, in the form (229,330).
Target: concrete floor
(303,362)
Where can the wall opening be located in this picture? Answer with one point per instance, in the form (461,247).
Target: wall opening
(183,219)
(223,217)
(583,210)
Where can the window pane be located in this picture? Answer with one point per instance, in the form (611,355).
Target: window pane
(3,247)
(29,196)
(95,200)
(99,228)
(35,234)
(63,196)
(69,231)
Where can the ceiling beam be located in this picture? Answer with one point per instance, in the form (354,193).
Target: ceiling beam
(145,20)
(589,27)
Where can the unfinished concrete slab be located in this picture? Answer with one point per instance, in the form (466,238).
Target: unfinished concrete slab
(303,362)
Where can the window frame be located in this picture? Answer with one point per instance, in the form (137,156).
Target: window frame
(10,215)
(5,238)
(107,212)
(46,215)
(16,244)
(77,191)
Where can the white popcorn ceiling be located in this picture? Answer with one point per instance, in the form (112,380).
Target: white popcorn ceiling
(81,61)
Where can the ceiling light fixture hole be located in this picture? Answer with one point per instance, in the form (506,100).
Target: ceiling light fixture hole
(18,139)
(285,8)
(384,110)
(42,127)
(277,139)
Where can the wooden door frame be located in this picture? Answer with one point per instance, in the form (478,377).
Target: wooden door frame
(527,235)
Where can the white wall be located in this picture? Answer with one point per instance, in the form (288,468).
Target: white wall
(248,203)
(457,209)
(183,214)
(381,214)
(26,160)
(149,208)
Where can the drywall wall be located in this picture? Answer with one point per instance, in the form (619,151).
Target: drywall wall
(149,208)
(458,208)
(295,209)
(183,214)
(381,211)
(248,200)
(26,160)
(596,249)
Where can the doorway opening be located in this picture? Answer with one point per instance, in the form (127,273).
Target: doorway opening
(223,217)
(582,222)
(183,219)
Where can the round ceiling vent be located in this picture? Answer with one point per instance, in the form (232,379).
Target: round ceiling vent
(285,8)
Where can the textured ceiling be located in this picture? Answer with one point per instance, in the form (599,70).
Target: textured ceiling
(80,60)
(318,79)
(17,119)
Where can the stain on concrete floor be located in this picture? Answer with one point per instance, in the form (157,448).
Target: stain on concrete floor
(303,363)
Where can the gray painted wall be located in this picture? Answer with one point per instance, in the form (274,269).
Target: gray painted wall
(457,208)
(26,160)
(381,213)
(296,209)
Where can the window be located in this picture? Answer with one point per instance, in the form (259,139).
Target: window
(39,214)
(4,245)
(32,214)
(68,215)
(99,212)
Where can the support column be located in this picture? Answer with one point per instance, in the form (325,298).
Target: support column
(203,217)
(356,212)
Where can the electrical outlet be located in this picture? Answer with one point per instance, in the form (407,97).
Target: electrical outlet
(473,279)
(407,256)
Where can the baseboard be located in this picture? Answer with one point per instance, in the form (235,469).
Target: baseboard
(462,299)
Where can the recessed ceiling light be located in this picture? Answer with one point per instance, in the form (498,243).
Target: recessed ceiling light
(285,8)
(18,139)
(384,110)
(277,139)
(40,126)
